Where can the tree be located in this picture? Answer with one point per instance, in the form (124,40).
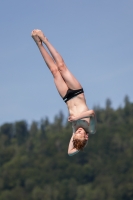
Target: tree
(7,129)
(21,131)
(108,104)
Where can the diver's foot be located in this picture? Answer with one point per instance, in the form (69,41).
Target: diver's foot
(37,39)
(41,35)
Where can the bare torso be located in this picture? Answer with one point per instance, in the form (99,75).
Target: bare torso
(77,105)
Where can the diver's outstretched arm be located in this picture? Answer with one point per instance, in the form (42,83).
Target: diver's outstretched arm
(71,150)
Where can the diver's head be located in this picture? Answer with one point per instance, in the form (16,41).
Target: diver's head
(80,139)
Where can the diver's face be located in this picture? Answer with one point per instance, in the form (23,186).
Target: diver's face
(81,134)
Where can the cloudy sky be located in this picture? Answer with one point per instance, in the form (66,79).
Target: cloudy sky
(95,38)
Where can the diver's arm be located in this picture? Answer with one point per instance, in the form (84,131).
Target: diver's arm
(71,150)
(91,114)
(88,113)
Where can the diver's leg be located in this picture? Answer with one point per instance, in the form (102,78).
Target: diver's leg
(68,77)
(59,82)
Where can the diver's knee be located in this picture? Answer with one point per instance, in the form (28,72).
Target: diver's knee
(61,66)
(55,72)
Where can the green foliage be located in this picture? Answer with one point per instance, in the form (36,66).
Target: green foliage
(34,164)
(21,131)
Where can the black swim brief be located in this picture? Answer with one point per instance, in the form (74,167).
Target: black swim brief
(72,93)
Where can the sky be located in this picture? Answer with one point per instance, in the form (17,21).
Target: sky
(95,38)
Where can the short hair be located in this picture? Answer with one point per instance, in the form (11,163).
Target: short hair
(79,144)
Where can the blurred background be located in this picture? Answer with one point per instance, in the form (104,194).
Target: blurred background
(95,40)
(93,37)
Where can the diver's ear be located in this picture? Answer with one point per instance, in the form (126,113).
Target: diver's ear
(86,137)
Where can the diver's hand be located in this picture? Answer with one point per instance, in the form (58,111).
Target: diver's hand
(72,118)
(92,113)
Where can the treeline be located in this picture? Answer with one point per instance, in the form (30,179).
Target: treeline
(34,164)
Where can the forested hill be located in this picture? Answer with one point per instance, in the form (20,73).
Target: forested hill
(34,164)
